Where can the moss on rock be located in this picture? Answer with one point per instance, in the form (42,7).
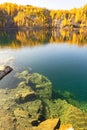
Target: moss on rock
(30,103)
(67,113)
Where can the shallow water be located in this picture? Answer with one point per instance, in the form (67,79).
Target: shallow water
(62,58)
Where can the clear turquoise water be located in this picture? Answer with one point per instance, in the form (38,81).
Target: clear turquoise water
(65,65)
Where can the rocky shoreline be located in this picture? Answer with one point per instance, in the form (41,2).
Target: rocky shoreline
(30,106)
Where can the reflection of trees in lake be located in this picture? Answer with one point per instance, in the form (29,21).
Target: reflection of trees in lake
(32,38)
(25,38)
(19,39)
(77,37)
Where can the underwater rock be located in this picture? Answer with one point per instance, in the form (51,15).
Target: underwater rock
(7,120)
(29,106)
(21,113)
(39,83)
(67,113)
(35,110)
(4,70)
(23,104)
(27,115)
(18,115)
(24,93)
(7,99)
(22,75)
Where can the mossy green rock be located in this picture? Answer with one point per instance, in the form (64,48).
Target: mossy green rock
(19,108)
(22,106)
(23,92)
(39,83)
(67,113)
(27,105)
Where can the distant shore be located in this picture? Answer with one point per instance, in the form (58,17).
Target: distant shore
(13,16)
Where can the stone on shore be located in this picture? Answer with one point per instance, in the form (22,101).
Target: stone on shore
(4,70)
(49,124)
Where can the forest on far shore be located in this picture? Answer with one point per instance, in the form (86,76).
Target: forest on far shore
(14,16)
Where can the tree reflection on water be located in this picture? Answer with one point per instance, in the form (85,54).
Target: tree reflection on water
(18,39)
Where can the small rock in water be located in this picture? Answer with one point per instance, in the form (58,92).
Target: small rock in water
(4,70)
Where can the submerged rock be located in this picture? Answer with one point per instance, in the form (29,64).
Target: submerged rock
(19,105)
(23,102)
(39,83)
(67,113)
(21,113)
(7,120)
(4,70)
(24,93)
(30,106)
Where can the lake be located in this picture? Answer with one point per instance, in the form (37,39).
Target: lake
(59,55)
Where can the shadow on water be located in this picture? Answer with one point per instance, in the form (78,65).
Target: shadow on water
(7,37)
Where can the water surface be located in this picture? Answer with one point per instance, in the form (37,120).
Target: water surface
(60,56)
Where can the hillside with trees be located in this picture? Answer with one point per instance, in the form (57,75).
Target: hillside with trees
(25,16)
(14,16)
(74,18)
